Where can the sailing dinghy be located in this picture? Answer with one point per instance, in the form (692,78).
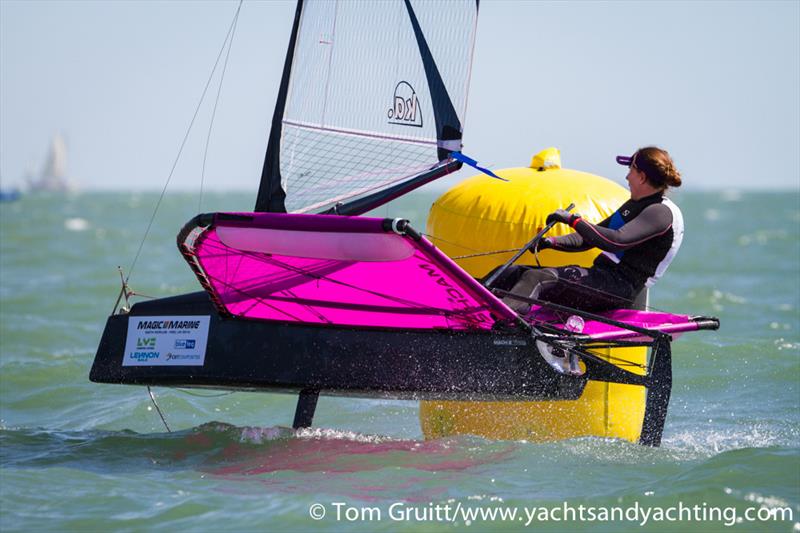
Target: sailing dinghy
(306,296)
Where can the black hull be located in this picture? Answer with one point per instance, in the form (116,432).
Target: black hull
(263,356)
(275,357)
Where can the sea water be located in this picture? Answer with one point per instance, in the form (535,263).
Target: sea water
(81,456)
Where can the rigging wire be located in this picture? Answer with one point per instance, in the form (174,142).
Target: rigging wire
(183,142)
(158,409)
(123,292)
(453,244)
(482,254)
(216,103)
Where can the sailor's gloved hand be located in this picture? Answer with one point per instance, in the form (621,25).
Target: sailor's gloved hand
(541,245)
(562,215)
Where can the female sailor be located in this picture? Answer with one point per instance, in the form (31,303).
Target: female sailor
(638,242)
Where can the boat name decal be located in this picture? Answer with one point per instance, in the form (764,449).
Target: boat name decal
(455,297)
(405,109)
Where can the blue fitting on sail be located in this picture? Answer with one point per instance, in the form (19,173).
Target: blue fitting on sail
(458,156)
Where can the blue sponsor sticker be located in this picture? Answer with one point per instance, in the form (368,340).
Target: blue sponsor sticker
(184,344)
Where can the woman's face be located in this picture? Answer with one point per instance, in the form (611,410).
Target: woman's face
(636,180)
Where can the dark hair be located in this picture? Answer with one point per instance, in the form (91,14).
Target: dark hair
(658,167)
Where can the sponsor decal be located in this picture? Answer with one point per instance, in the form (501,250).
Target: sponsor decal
(144,356)
(510,342)
(169,324)
(405,109)
(149,342)
(184,344)
(166,341)
(183,357)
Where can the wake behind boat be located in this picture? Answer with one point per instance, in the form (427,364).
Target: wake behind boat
(341,304)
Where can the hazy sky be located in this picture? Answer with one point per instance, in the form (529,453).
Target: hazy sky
(717,84)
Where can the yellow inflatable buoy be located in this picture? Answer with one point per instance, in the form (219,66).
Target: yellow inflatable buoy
(483,214)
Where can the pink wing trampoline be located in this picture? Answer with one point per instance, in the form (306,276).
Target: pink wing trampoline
(334,270)
(364,272)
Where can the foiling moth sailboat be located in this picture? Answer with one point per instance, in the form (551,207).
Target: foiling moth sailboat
(306,296)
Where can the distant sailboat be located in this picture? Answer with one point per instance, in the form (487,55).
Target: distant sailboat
(53,177)
(9,195)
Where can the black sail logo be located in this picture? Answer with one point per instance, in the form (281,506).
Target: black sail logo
(405,109)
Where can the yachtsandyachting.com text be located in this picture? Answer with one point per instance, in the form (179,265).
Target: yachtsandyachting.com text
(529,516)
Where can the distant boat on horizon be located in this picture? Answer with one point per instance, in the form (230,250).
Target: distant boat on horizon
(53,177)
(9,195)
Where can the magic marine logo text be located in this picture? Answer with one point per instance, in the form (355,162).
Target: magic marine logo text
(405,109)
(169,324)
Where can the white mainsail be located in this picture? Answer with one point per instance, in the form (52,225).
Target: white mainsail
(367,87)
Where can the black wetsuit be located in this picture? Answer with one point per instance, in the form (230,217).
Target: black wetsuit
(638,241)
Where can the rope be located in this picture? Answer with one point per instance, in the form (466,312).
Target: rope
(134,293)
(158,410)
(450,243)
(183,144)
(511,250)
(216,103)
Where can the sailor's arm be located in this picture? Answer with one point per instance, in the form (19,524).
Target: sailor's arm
(653,221)
(566,243)
(572,242)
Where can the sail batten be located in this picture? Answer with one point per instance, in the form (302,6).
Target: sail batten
(357,192)
(357,133)
(373,94)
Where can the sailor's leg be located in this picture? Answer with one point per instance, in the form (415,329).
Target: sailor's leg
(531,283)
(594,289)
(508,278)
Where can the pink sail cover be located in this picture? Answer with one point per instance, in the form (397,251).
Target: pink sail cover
(335,270)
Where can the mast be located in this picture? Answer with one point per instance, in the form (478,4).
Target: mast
(270,192)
